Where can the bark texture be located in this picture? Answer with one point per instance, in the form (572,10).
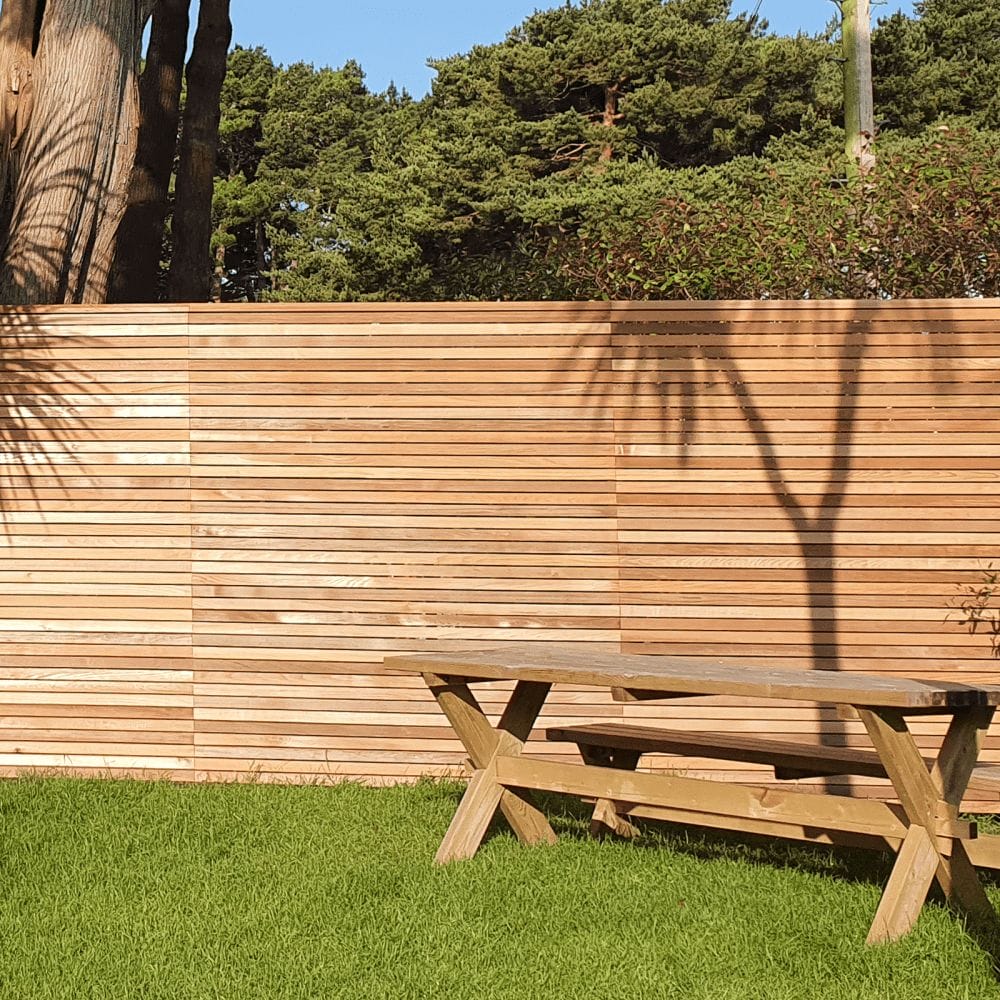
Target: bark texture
(71,159)
(611,117)
(18,20)
(136,265)
(191,265)
(859,106)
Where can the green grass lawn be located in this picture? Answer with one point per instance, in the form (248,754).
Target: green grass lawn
(131,890)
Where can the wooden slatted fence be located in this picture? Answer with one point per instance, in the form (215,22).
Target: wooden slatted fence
(218,520)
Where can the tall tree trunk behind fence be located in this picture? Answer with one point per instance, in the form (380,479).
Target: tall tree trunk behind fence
(140,236)
(190,277)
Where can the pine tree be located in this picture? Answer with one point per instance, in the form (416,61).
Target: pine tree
(943,62)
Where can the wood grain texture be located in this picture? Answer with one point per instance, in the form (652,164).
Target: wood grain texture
(674,675)
(96,673)
(217,521)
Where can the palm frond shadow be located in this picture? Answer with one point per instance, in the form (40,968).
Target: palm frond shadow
(40,420)
(39,417)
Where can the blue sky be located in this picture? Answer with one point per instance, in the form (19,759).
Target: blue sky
(392,41)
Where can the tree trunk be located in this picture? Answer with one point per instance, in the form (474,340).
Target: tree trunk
(191,265)
(610,118)
(18,21)
(859,108)
(218,273)
(71,163)
(262,265)
(140,236)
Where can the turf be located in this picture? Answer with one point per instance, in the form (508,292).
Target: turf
(133,890)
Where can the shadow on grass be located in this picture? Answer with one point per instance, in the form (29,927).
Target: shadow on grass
(570,819)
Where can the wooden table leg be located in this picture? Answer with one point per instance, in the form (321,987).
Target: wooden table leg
(483,743)
(606,819)
(930,798)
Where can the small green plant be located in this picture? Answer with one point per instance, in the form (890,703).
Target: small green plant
(977,609)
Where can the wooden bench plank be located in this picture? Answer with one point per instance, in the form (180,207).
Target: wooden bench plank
(789,759)
(780,754)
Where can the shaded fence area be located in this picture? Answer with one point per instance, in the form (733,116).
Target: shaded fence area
(216,521)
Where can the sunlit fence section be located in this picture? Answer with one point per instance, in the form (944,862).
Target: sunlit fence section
(371,479)
(95,541)
(218,520)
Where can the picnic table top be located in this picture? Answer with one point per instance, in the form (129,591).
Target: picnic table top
(561,664)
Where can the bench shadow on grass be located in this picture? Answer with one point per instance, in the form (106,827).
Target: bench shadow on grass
(570,819)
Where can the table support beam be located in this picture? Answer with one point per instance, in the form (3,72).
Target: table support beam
(697,796)
(607,819)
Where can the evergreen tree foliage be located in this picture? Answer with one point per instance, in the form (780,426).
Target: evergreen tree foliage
(575,127)
(942,62)
(241,206)
(929,227)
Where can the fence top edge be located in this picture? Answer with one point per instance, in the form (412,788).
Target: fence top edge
(729,310)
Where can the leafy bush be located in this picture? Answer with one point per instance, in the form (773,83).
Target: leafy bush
(926,224)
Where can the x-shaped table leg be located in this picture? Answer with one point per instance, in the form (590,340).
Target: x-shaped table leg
(931,800)
(484,744)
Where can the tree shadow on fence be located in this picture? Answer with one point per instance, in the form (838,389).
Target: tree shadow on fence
(36,422)
(699,353)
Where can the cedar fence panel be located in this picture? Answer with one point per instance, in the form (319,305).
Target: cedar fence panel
(218,520)
(96,669)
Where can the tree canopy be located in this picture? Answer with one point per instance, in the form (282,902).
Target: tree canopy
(603,126)
(587,122)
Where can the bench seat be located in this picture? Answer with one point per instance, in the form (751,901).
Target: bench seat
(790,760)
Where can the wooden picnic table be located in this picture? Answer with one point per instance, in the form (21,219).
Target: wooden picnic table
(925,829)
